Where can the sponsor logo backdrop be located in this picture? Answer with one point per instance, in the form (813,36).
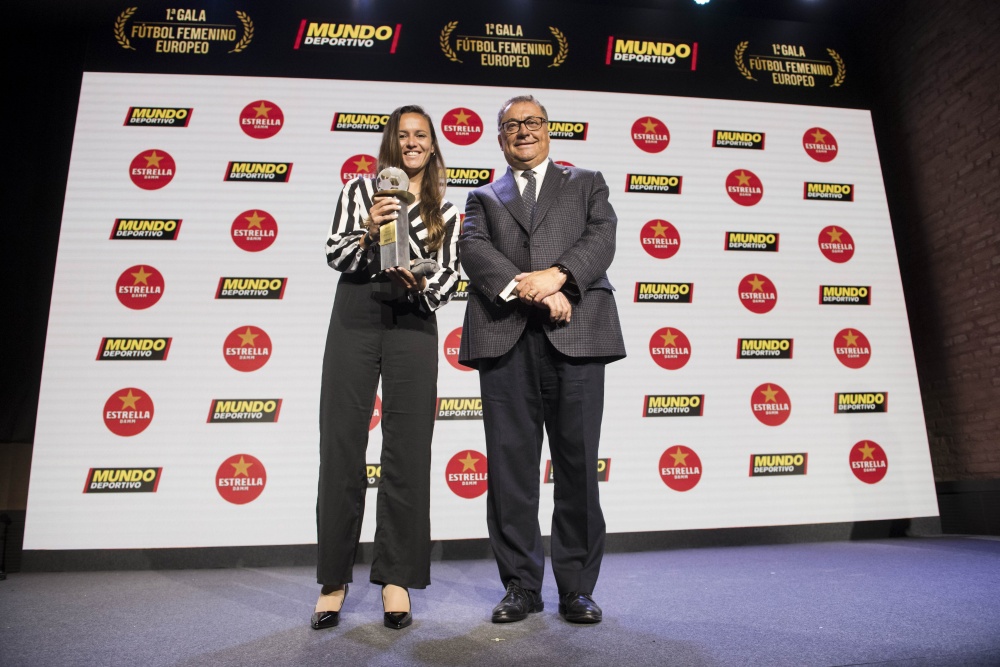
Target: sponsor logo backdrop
(247,474)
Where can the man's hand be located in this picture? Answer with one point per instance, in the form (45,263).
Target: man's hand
(533,288)
(560,309)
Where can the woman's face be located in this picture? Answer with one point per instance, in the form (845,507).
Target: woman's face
(415,142)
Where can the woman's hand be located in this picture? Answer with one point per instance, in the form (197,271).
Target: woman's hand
(385,209)
(405,279)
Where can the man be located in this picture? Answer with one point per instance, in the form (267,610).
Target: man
(540,326)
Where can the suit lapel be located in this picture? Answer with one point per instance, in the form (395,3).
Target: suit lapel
(508,194)
(555,178)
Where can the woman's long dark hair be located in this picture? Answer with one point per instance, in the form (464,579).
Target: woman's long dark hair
(432,185)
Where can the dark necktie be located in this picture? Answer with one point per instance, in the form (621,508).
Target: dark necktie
(529,196)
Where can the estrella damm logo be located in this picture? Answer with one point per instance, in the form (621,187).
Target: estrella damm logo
(650,134)
(242,410)
(128,414)
(461,126)
(240,481)
(868,461)
(152,170)
(451,348)
(158,116)
(254,230)
(371,38)
(837,245)
(467,474)
(852,348)
(765,465)
(274,172)
(660,239)
(470,407)
(757,293)
(358,166)
(145,229)
(122,480)
(819,144)
(677,56)
(828,191)
(853,402)
(251,288)
(764,348)
(770,404)
(678,405)
(468,177)
(133,349)
(603,471)
(373,473)
(738,139)
(185,31)
(744,187)
(261,119)
(670,348)
(351,121)
(568,129)
(248,350)
(847,295)
(138,288)
(664,292)
(376,417)
(655,183)
(461,292)
(753,241)
(680,468)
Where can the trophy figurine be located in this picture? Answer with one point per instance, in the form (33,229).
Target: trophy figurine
(394,236)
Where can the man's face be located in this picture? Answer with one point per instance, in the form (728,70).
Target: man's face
(524,149)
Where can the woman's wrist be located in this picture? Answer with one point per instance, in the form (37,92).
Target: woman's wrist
(366,239)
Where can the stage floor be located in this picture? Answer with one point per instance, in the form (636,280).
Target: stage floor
(908,601)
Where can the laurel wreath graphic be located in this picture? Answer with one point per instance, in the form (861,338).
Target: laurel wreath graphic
(120,22)
(741,48)
(841,68)
(446,38)
(247,32)
(563,47)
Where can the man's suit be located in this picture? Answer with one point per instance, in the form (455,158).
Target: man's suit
(535,373)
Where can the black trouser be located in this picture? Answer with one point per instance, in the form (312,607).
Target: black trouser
(367,339)
(531,386)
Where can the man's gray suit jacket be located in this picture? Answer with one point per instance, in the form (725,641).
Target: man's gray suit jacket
(574,225)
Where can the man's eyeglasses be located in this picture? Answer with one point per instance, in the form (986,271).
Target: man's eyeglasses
(531,122)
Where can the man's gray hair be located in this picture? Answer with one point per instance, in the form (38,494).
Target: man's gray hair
(514,100)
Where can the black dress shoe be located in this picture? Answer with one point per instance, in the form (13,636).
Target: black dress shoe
(397,620)
(327,619)
(517,604)
(579,608)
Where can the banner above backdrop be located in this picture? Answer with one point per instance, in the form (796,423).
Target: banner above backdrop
(544,45)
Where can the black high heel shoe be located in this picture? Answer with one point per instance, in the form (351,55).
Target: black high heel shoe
(328,619)
(397,620)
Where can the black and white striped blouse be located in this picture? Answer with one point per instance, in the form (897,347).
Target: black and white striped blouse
(343,250)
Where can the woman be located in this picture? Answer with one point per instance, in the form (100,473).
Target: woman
(396,339)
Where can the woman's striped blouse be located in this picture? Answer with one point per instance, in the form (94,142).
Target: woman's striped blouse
(343,250)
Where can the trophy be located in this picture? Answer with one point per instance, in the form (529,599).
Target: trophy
(394,236)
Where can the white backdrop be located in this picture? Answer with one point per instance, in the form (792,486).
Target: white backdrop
(187,510)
